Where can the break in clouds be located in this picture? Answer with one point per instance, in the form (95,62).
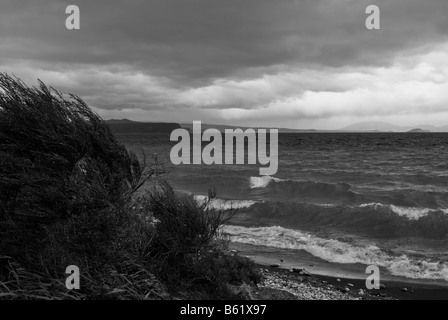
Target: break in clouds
(299,64)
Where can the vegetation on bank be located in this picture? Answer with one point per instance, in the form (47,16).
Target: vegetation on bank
(68,196)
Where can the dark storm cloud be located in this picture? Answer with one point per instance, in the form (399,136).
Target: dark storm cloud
(204,39)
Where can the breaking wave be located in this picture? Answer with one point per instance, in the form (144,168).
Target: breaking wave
(223,204)
(262,182)
(267,185)
(340,252)
(370,219)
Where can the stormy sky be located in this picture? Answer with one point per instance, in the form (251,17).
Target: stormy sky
(284,63)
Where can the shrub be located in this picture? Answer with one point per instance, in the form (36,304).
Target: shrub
(189,250)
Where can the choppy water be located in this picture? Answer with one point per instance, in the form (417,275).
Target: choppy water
(376,198)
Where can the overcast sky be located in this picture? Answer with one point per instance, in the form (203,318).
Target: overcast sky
(284,63)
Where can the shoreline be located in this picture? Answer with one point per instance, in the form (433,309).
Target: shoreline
(319,287)
(324,282)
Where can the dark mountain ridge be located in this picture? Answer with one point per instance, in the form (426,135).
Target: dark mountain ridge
(129,126)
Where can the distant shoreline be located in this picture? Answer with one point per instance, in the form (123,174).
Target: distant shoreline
(129,126)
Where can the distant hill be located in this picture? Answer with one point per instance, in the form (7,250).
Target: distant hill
(372,126)
(378,126)
(129,126)
(222,127)
(418,130)
(115,121)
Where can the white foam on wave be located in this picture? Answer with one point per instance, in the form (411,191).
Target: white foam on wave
(262,182)
(325,205)
(337,251)
(410,213)
(373,204)
(223,204)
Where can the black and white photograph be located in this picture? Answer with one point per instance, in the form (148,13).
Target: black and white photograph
(221,156)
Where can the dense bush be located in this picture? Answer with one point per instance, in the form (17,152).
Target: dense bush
(189,250)
(52,151)
(68,196)
(58,160)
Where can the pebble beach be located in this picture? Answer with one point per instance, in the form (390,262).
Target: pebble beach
(299,284)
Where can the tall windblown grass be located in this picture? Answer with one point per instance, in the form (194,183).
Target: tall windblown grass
(68,197)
